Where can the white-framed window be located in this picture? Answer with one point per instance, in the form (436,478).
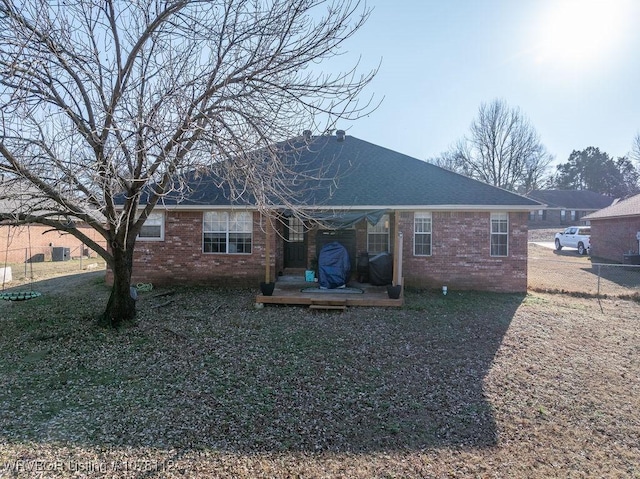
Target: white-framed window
(378,236)
(422,234)
(227,232)
(153,228)
(573,215)
(563,215)
(499,234)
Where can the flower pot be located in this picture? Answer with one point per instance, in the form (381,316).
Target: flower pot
(309,275)
(394,291)
(267,288)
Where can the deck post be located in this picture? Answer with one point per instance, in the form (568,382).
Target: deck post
(267,250)
(397,251)
(398,269)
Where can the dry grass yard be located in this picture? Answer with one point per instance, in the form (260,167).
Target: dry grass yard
(566,271)
(205,385)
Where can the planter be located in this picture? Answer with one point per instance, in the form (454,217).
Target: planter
(309,275)
(267,288)
(394,291)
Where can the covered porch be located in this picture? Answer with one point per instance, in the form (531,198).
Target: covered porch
(290,286)
(294,290)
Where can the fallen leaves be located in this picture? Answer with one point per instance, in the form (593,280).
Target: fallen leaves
(477,385)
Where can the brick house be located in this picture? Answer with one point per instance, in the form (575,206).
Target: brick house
(36,242)
(40,243)
(565,207)
(455,230)
(615,230)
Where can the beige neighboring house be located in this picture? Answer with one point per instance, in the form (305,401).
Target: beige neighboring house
(615,231)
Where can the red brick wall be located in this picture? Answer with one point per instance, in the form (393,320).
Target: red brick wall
(613,237)
(311,246)
(461,254)
(179,258)
(16,241)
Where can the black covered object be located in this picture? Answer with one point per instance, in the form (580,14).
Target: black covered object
(381,269)
(363,267)
(334,266)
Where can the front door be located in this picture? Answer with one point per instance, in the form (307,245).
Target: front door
(295,245)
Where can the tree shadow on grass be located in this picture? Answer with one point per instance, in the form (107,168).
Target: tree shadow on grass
(203,373)
(62,284)
(625,276)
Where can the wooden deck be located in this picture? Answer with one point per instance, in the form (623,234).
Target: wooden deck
(289,292)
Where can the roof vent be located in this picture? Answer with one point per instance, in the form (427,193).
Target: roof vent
(306,134)
(340,135)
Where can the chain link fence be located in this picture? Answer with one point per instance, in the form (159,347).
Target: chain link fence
(45,262)
(580,275)
(617,279)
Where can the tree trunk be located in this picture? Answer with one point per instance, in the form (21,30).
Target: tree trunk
(121,307)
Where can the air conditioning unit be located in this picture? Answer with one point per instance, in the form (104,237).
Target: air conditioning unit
(59,253)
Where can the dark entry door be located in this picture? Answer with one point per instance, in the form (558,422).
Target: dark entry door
(295,245)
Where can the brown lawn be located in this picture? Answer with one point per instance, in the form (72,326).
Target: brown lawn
(468,385)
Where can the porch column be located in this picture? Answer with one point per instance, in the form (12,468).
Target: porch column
(267,250)
(397,250)
(397,259)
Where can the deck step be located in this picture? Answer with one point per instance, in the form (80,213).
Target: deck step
(337,304)
(337,307)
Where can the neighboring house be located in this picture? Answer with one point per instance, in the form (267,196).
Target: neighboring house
(565,207)
(35,242)
(615,230)
(456,231)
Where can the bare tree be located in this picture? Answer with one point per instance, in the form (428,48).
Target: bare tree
(635,149)
(448,160)
(502,149)
(100,98)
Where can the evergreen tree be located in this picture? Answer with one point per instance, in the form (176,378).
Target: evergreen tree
(594,170)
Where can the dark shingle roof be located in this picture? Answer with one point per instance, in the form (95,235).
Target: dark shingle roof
(374,176)
(20,198)
(626,207)
(572,199)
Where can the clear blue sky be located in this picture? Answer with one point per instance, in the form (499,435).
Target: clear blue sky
(572,66)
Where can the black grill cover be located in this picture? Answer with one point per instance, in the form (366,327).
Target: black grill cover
(381,269)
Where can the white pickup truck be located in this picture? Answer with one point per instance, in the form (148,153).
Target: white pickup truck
(574,237)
